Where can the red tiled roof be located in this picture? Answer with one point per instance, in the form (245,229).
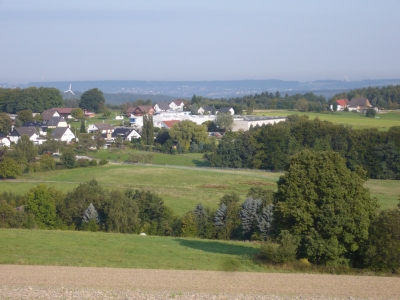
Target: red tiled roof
(342,102)
(178,102)
(171,123)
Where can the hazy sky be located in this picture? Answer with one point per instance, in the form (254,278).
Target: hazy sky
(198,40)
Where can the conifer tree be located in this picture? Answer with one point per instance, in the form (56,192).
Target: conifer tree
(82,129)
(143,140)
(248,215)
(90,214)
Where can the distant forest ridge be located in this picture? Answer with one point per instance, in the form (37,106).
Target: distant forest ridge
(213,89)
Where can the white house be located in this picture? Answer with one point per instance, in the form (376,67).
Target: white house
(226,110)
(63,134)
(31,132)
(4,141)
(177,105)
(56,122)
(119,117)
(136,121)
(100,127)
(206,110)
(127,134)
(162,106)
(49,114)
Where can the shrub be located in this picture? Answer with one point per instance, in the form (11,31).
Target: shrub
(371,113)
(82,162)
(93,163)
(103,162)
(282,252)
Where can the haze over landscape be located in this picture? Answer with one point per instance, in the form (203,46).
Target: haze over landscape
(199,149)
(47,41)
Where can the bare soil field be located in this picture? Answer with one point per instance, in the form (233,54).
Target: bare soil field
(53,282)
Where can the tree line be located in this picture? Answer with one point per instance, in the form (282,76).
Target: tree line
(387,97)
(32,98)
(270,147)
(40,99)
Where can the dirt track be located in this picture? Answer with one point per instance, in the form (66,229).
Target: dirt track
(40,282)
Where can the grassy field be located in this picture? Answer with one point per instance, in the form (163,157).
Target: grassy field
(180,187)
(187,159)
(86,249)
(383,120)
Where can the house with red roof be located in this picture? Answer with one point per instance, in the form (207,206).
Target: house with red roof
(169,124)
(342,104)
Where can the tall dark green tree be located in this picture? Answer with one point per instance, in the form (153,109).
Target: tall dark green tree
(144,137)
(150,130)
(82,128)
(92,100)
(326,206)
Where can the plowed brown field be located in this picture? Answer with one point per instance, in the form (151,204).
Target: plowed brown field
(52,282)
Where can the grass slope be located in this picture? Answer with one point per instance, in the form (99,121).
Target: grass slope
(383,120)
(189,159)
(87,249)
(180,187)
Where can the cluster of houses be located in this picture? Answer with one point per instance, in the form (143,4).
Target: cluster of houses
(356,104)
(164,114)
(53,119)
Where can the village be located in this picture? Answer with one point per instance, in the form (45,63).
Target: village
(56,122)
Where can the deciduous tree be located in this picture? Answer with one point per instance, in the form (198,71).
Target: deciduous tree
(383,247)
(41,201)
(186,132)
(5,123)
(25,115)
(92,100)
(224,121)
(324,204)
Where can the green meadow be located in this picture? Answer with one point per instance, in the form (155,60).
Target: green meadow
(382,121)
(181,187)
(88,249)
(187,159)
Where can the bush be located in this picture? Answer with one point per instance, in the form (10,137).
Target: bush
(103,162)
(82,162)
(371,113)
(93,163)
(282,252)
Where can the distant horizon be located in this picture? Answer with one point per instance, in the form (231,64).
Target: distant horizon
(196,40)
(205,80)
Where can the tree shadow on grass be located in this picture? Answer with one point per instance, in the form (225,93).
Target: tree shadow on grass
(218,247)
(200,163)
